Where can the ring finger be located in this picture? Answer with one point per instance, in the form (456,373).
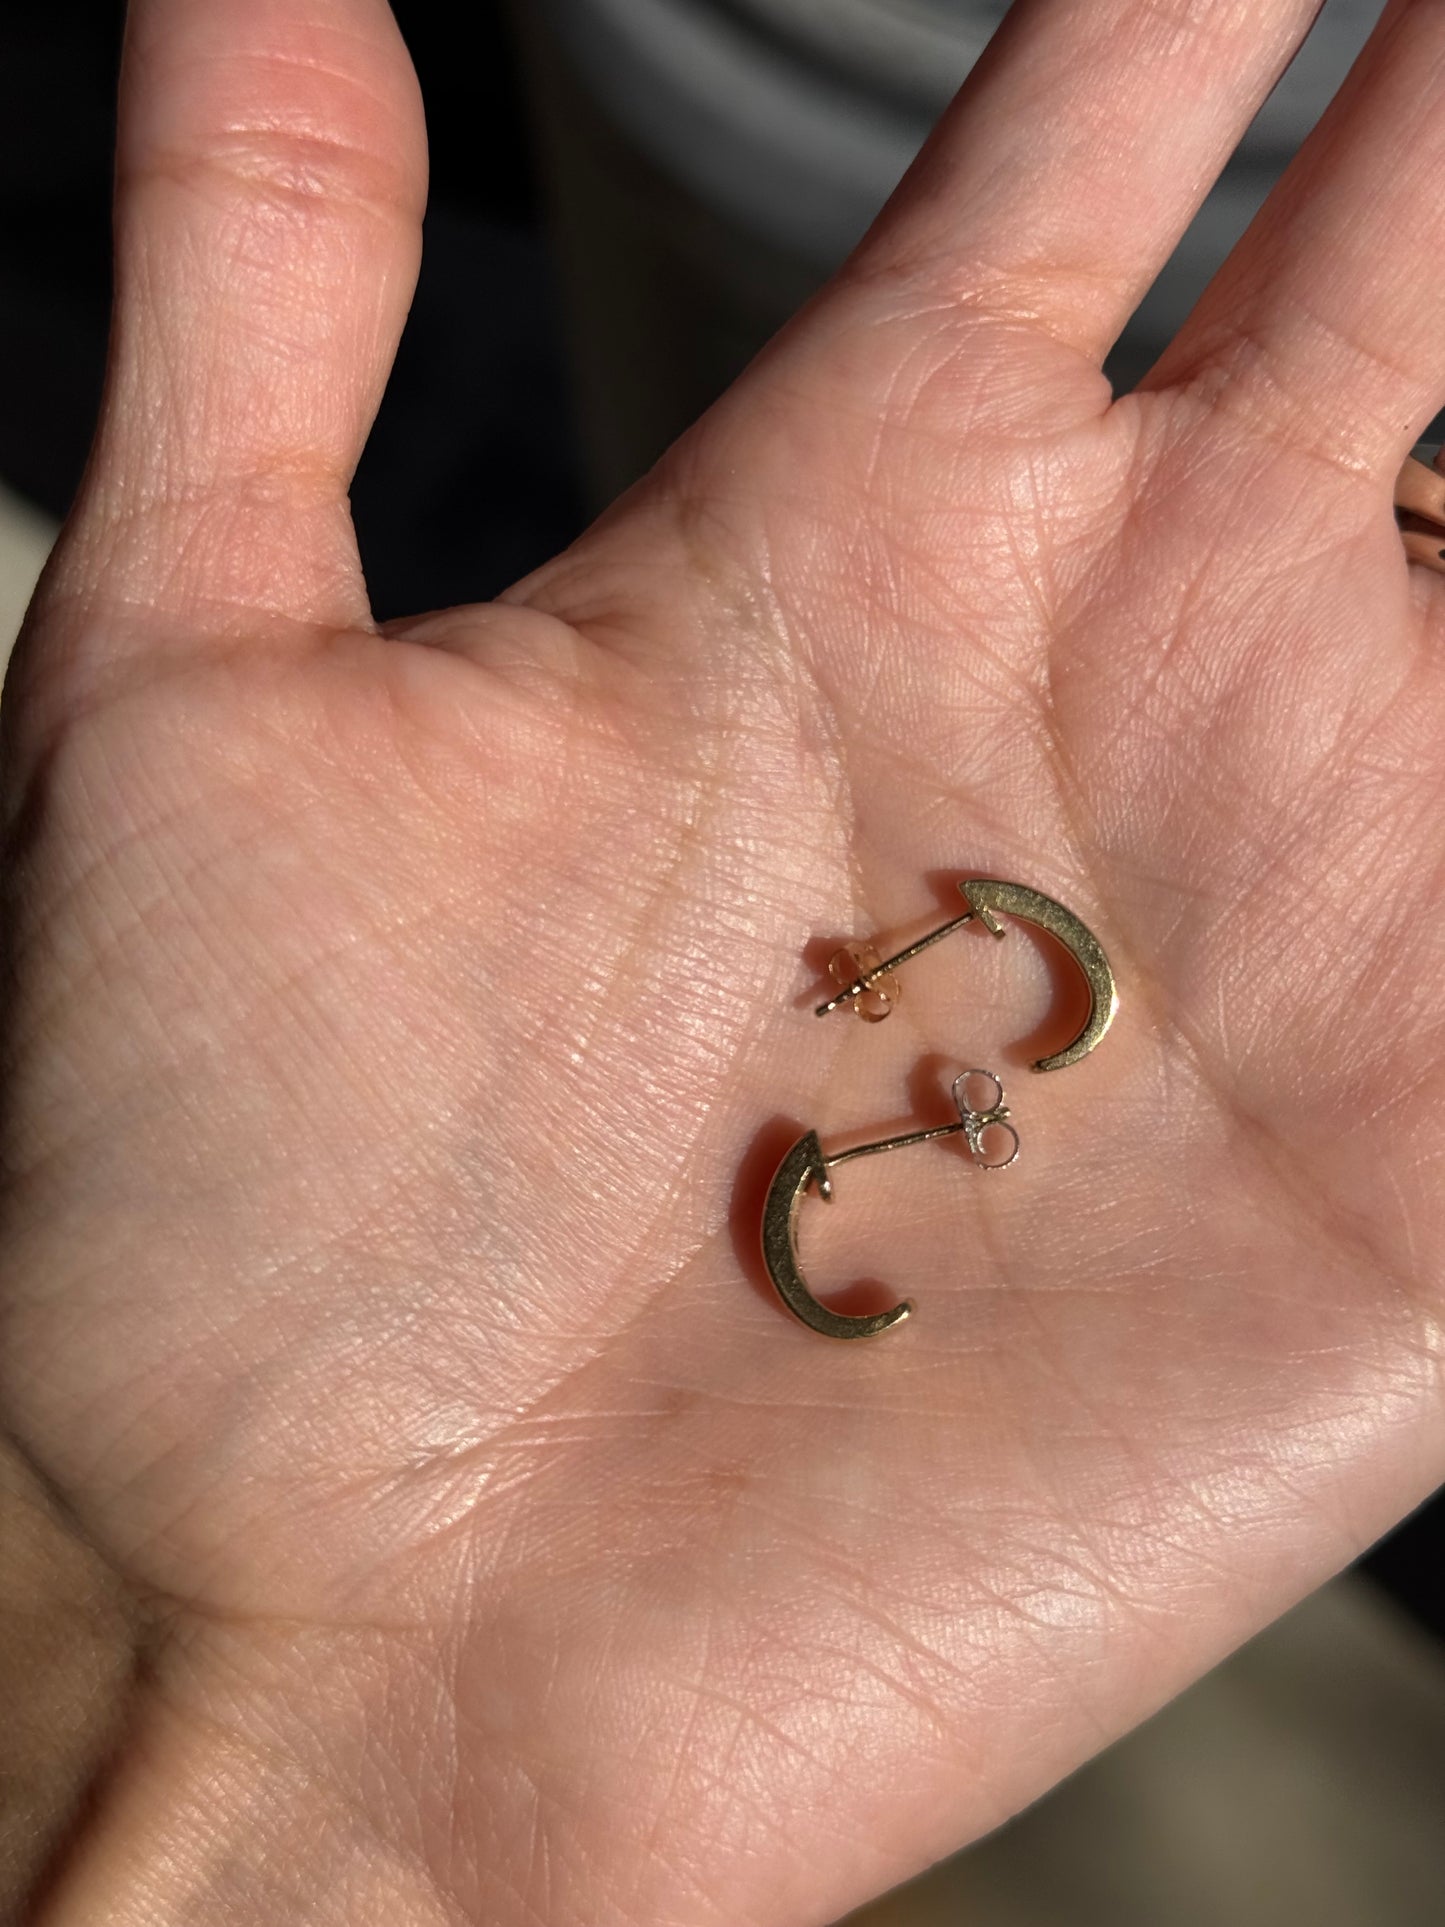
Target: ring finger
(1323,327)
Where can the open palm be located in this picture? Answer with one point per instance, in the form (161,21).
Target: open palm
(404,1026)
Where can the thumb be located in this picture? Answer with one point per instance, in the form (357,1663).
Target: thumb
(270,177)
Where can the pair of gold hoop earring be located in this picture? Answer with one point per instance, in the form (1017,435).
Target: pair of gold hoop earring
(870,986)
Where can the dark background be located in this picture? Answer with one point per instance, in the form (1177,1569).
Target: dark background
(473,474)
(471,477)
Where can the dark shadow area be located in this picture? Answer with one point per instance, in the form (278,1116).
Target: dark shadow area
(57,128)
(1410,1564)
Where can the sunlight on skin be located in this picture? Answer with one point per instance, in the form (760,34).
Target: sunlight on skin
(393,1016)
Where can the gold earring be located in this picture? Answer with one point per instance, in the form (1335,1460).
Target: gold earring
(871,986)
(807,1165)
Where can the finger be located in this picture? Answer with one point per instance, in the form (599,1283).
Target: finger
(1420,503)
(1077,153)
(1420,491)
(1325,325)
(270,176)
(1426,548)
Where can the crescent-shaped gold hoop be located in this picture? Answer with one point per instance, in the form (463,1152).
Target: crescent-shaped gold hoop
(806,1166)
(803,1166)
(988,898)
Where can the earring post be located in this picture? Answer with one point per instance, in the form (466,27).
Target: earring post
(911,1137)
(972,1123)
(856,989)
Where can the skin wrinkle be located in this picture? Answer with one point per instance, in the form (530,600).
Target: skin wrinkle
(307,166)
(1084,73)
(284,129)
(1307,1200)
(1017,677)
(195,1602)
(1062,1372)
(203,1051)
(1030,567)
(1319,911)
(88,884)
(653,1845)
(931,1665)
(826,738)
(275,1759)
(827,709)
(1268,852)
(626,962)
(1142,687)
(488,1450)
(544,1802)
(216,607)
(1285,1435)
(1236,377)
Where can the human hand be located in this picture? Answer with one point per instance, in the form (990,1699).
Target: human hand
(392,1015)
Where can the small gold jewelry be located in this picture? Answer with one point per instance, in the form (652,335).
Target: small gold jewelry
(871,986)
(984,896)
(806,1165)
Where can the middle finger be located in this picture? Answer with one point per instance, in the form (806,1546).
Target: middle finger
(1078,151)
